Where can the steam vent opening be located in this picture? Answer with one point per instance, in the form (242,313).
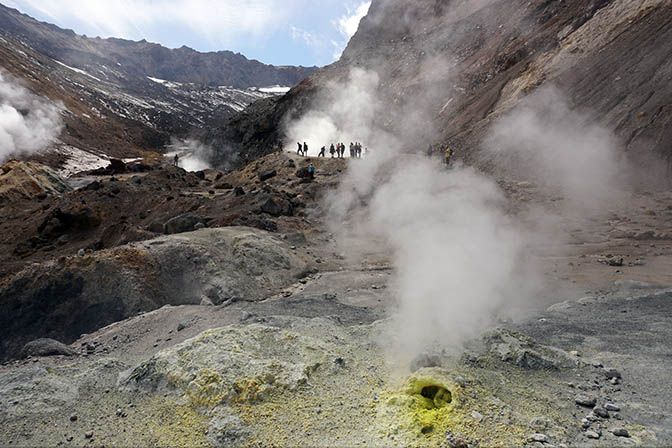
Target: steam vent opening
(439,396)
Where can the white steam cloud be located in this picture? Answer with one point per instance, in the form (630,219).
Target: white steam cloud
(544,141)
(193,155)
(346,114)
(28,123)
(460,258)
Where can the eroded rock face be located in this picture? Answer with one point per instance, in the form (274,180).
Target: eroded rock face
(65,298)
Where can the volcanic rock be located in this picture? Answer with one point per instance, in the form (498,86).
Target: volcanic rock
(588,401)
(46,347)
(26,180)
(267,174)
(82,294)
(182,223)
(620,432)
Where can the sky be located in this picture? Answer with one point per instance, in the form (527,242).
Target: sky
(278,32)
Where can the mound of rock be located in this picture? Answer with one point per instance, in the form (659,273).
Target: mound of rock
(64,298)
(523,351)
(27,180)
(235,364)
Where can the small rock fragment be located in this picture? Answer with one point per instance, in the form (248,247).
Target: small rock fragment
(588,401)
(541,423)
(612,407)
(601,412)
(461,381)
(620,432)
(88,434)
(612,373)
(477,416)
(538,437)
(592,435)
(73,418)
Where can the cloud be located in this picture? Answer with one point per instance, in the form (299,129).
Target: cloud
(28,123)
(276,31)
(220,22)
(348,24)
(310,39)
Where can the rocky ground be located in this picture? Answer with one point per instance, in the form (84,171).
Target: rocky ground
(279,339)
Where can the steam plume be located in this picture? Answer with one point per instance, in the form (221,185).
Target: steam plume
(28,123)
(565,151)
(459,257)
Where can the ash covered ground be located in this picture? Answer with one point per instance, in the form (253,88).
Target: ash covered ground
(284,338)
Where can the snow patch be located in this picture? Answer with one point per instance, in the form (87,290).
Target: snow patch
(279,90)
(77,70)
(163,82)
(78,160)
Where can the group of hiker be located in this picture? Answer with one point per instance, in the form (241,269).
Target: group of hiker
(302,149)
(336,150)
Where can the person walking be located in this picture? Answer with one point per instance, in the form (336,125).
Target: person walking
(448,156)
(305,149)
(323,151)
(299,151)
(311,171)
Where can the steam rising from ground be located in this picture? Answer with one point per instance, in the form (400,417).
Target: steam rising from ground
(28,123)
(193,155)
(546,142)
(459,257)
(345,114)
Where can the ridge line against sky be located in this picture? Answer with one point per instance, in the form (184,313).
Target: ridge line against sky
(278,32)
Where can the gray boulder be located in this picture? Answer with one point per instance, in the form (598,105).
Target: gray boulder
(46,347)
(156,227)
(183,223)
(276,207)
(267,174)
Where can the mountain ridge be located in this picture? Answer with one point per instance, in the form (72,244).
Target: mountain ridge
(145,58)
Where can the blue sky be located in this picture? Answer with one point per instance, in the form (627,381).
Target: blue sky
(279,32)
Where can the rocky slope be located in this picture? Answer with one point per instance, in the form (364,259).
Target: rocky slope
(469,62)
